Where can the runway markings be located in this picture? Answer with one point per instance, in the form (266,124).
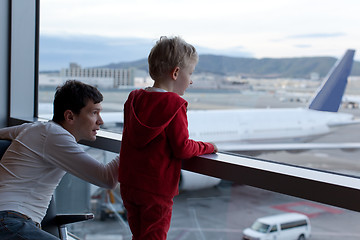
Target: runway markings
(309,209)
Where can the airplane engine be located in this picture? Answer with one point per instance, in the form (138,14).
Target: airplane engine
(190,181)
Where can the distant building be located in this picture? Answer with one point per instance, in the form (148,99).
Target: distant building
(142,79)
(50,80)
(142,82)
(100,77)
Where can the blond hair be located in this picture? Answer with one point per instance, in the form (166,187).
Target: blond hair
(169,53)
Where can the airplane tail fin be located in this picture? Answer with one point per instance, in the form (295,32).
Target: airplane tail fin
(329,95)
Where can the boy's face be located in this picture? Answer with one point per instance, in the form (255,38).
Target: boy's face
(88,121)
(183,79)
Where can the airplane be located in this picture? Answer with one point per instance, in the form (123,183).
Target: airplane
(255,131)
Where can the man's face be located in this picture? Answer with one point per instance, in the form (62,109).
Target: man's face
(88,121)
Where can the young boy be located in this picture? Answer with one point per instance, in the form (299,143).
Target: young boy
(156,139)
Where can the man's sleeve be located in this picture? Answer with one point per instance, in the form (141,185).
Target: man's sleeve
(64,152)
(11,133)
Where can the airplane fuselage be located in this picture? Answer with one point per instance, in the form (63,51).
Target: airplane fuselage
(262,125)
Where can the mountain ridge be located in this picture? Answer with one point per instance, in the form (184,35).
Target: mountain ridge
(299,67)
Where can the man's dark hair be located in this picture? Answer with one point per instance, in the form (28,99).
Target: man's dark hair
(73,95)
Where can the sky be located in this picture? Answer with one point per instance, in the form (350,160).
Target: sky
(254,28)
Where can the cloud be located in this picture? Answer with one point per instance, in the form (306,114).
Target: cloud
(303,45)
(318,35)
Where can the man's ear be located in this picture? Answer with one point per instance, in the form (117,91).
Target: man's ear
(175,73)
(68,116)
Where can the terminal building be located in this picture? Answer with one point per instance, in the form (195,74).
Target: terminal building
(100,77)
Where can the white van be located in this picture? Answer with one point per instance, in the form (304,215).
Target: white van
(288,226)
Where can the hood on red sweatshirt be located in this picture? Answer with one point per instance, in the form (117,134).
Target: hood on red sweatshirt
(149,114)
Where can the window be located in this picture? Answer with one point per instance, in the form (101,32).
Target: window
(273,229)
(289,225)
(260,227)
(235,200)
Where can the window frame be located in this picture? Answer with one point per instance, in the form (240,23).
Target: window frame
(24,54)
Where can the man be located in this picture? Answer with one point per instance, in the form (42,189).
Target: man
(42,152)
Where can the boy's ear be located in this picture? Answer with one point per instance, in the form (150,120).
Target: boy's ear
(175,73)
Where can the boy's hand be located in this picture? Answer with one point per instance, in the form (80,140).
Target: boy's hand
(215,148)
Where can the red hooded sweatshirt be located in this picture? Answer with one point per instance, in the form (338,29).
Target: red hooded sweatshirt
(155,140)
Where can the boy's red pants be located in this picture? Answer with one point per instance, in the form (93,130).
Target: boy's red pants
(148,214)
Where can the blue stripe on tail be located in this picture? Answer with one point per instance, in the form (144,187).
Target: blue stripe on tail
(329,95)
